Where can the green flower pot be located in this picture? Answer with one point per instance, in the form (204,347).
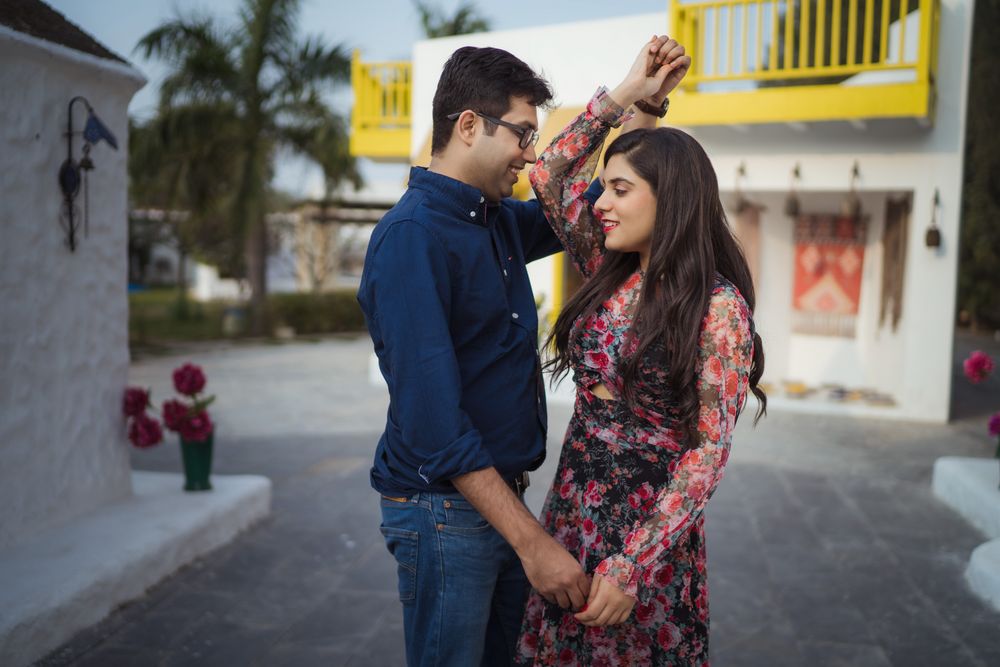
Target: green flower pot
(197,456)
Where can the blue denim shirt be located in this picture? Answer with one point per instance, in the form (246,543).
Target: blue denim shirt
(449,307)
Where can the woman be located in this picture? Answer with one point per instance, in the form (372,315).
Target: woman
(661,343)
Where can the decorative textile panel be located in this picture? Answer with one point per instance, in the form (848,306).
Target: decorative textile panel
(829,256)
(894,239)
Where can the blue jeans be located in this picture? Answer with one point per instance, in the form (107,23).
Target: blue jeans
(462,586)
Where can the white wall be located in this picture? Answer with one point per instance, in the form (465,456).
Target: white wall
(870,358)
(894,157)
(63,315)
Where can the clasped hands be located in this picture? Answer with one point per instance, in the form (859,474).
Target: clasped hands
(558,578)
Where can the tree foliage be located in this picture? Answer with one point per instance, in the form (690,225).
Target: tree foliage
(436,23)
(235,95)
(979,256)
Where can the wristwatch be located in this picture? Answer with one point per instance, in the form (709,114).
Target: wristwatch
(646,107)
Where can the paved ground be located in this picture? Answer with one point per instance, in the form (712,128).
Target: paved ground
(826,546)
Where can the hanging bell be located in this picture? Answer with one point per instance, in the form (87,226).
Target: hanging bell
(933,237)
(86,164)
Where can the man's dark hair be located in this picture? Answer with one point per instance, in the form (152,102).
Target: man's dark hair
(484,80)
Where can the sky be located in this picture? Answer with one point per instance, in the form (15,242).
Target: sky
(383,30)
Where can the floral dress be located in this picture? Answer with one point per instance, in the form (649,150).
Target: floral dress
(627,499)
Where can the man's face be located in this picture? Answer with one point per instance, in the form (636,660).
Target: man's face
(497,159)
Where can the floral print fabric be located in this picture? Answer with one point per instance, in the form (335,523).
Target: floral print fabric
(627,499)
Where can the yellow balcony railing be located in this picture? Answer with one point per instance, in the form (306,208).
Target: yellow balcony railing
(759,61)
(380,119)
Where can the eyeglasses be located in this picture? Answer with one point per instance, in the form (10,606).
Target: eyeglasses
(528,136)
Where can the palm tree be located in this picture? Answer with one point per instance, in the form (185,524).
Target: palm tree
(464,21)
(183,162)
(264,85)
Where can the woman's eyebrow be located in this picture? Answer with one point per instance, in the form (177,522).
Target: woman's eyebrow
(620,179)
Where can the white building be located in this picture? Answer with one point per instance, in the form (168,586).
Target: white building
(857,326)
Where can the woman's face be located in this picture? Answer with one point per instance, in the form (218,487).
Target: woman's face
(627,209)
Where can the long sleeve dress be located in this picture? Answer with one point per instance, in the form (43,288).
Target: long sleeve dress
(627,499)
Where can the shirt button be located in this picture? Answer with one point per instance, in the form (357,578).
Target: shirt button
(516,316)
(447,504)
(482,199)
(505,272)
(472,214)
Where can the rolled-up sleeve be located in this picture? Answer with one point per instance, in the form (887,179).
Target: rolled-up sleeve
(410,296)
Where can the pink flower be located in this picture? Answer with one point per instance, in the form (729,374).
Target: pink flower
(592,496)
(144,431)
(599,360)
(175,414)
(665,575)
(189,379)
(994,425)
(197,428)
(668,636)
(644,613)
(978,366)
(712,373)
(634,500)
(136,401)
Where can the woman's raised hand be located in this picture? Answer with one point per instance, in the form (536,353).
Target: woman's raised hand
(668,52)
(659,67)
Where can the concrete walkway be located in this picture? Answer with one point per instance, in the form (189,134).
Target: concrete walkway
(826,546)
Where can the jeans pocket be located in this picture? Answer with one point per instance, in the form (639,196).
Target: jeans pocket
(461,517)
(402,544)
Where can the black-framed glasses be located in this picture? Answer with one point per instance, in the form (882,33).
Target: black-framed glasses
(528,136)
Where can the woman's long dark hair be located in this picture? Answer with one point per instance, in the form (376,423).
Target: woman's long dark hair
(691,243)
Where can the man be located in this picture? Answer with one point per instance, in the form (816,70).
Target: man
(450,310)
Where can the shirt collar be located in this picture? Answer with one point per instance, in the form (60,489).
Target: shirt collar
(453,195)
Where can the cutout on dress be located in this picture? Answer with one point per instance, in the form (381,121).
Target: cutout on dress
(601,392)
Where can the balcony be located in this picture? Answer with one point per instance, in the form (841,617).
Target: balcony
(380,120)
(783,61)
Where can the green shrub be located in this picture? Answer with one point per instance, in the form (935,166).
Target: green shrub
(314,313)
(156,315)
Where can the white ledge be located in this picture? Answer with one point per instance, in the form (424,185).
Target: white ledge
(983,572)
(969,486)
(73,576)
